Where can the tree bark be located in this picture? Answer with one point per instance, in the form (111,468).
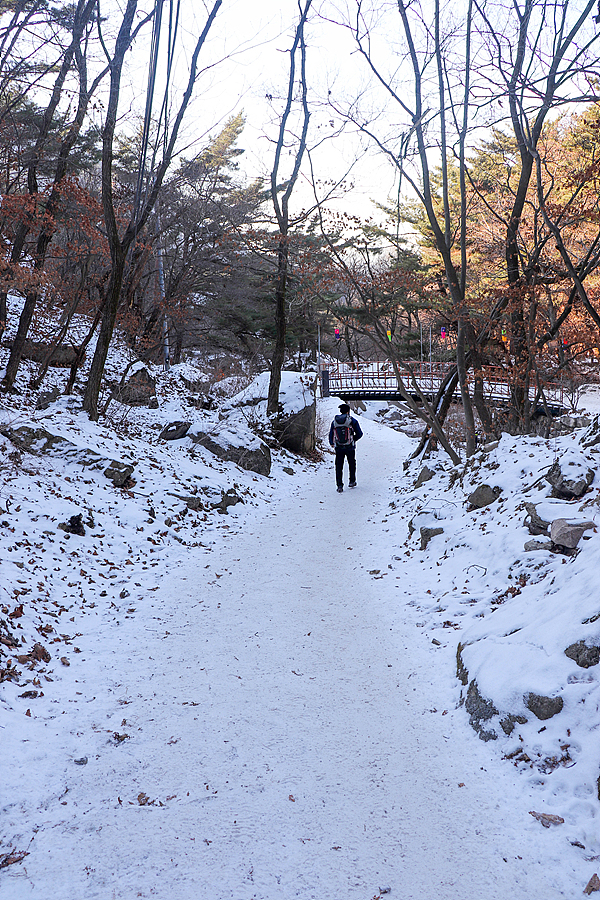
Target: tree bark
(120,247)
(282,208)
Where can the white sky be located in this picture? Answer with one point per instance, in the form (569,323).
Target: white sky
(247,46)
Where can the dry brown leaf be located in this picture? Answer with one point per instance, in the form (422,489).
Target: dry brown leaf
(592,885)
(14,856)
(547,819)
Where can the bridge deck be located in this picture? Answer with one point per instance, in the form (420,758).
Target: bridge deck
(377,381)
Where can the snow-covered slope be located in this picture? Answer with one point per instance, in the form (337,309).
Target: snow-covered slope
(155,701)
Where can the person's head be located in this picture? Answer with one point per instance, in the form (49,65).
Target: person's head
(344,408)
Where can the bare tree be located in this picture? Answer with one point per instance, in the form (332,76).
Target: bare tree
(465,70)
(120,244)
(280,196)
(74,55)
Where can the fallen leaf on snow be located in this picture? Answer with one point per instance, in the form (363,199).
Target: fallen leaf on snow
(592,885)
(547,819)
(14,856)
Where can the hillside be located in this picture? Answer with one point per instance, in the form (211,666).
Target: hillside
(160,646)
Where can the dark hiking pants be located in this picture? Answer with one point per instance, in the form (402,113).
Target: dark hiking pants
(340,453)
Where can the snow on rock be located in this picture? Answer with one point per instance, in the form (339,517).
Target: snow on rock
(297,391)
(90,624)
(515,612)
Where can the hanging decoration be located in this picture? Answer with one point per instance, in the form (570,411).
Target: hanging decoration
(389,334)
(443,332)
(337,334)
(504,335)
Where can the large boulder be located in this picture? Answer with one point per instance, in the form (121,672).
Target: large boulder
(239,446)
(174,431)
(138,390)
(569,486)
(296,431)
(568,534)
(41,442)
(294,423)
(483,495)
(426,474)
(62,356)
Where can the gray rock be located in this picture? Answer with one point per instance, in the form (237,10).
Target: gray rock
(568,488)
(483,495)
(584,656)
(427,534)
(462,673)
(591,437)
(508,723)
(46,398)
(139,390)
(424,475)
(252,459)
(194,504)
(62,357)
(119,473)
(568,534)
(534,522)
(41,442)
(491,445)
(174,431)
(37,440)
(228,498)
(480,710)
(200,401)
(537,545)
(74,525)
(543,707)
(573,422)
(297,432)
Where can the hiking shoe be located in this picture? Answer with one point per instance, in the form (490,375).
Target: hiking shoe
(340,489)
(352,484)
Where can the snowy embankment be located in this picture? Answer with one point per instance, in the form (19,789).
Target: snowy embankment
(264,703)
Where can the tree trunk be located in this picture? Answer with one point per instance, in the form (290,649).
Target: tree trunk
(280,326)
(92,390)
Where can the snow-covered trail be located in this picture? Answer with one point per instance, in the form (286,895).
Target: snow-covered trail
(269,726)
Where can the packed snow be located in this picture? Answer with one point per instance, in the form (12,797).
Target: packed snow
(262,700)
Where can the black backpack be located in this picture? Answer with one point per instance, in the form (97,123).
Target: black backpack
(343,433)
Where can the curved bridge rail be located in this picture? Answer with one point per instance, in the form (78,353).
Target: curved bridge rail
(377,381)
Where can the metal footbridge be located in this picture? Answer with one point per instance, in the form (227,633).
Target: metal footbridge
(377,381)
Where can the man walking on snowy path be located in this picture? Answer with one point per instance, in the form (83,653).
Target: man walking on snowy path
(343,434)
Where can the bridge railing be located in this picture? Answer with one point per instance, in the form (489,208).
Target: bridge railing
(380,377)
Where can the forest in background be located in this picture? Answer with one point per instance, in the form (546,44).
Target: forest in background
(488,253)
